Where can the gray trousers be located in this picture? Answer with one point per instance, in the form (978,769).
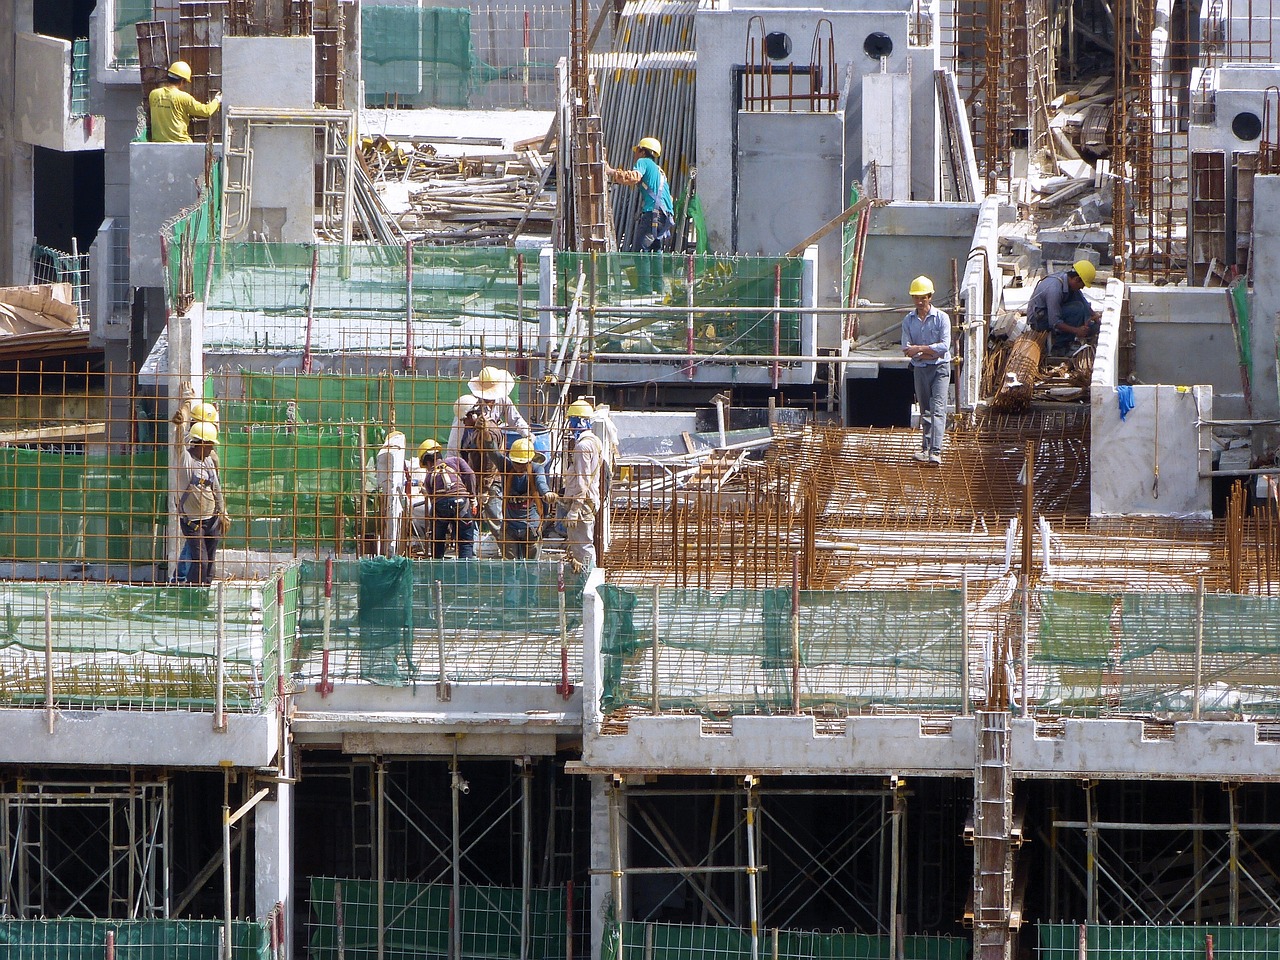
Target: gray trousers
(932,381)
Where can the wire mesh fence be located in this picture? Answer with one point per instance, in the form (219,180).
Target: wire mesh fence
(363,920)
(1069,941)
(396,622)
(54,266)
(668,941)
(80,77)
(753,651)
(136,939)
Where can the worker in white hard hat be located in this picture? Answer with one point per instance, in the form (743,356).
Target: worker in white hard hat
(657,217)
(449,486)
(526,498)
(492,388)
(926,343)
(1058,305)
(461,408)
(201,508)
(582,495)
(172,107)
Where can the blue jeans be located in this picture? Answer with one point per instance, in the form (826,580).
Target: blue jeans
(200,539)
(1074,313)
(932,380)
(453,515)
(652,229)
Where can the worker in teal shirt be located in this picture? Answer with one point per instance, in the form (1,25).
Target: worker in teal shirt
(657,219)
(926,343)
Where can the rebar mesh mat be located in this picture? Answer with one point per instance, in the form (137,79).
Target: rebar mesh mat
(501,620)
(1138,652)
(415,921)
(732,653)
(134,647)
(1061,941)
(632,940)
(135,939)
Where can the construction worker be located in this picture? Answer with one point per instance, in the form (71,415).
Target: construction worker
(172,107)
(1058,305)
(201,509)
(449,486)
(492,389)
(657,216)
(926,343)
(582,485)
(525,494)
(461,407)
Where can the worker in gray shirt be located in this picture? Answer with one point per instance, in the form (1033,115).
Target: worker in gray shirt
(1058,305)
(926,343)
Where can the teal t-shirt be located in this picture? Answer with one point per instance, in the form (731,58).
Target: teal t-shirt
(653,186)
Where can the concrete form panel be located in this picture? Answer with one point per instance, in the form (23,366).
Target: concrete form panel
(1183,335)
(163,181)
(108,738)
(42,97)
(886,134)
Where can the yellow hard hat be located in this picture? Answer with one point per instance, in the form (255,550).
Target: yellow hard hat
(1085,270)
(523,451)
(203,432)
(428,446)
(921,286)
(651,144)
(180,69)
(204,412)
(579,408)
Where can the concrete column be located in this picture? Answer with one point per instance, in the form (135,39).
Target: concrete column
(17,169)
(601,859)
(1264,376)
(273,859)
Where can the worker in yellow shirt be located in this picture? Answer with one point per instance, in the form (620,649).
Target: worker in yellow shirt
(172,107)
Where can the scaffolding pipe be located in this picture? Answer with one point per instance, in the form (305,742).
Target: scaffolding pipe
(1199,661)
(456,786)
(654,680)
(48,657)
(564,688)
(1233,866)
(688,323)
(220,646)
(226,861)
(111,945)
(777,323)
(382,857)
(795,633)
(311,315)
(526,847)
(964,643)
(752,889)
(615,848)
(443,689)
(409,360)
(895,863)
(325,686)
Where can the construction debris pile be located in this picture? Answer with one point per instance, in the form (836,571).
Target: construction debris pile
(484,199)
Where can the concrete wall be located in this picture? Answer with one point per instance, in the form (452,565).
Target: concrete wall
(925,133)
(886,134)
(1264,307)
(276,73)
(43,99)
(17,174)
(164,179)
(721,42)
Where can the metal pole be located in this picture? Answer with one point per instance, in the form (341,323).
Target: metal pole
(615,847)
(1024,707)
(340,920)
(565,689)
(410,361)
(311,316)
(219,694)
(777,322)
(48,657)
(1199,668)
(964,643)
(325,686)
(795,634)
(226,863)
(455,937)
(443,690)
(895,864)
(688,320)
(654,684)
(1233,868)
(526,878)
(752,899)
(111,945)
(382,857)
(1091,861)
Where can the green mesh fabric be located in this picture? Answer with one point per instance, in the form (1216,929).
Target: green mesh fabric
(733,652)
(501,618)
(1075,627)
(419,57)
(667,941)
(189,238)
(719,281)
(65,506)
(416,921)
(124,36)
(1167,621)
(1061,941)
(1238,291)
(134,939)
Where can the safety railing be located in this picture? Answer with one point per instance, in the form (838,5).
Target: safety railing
(633,940)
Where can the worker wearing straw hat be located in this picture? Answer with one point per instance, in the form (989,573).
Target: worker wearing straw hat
(492,388)
(202,511)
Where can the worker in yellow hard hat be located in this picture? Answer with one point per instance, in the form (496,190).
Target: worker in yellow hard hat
(526,498)
(201,508)
(657,217)
(1058,305)
(172,107)
(449,486)
(582,493)
(926,343)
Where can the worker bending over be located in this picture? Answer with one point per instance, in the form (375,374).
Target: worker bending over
(926,343)
(449,488)
(1058,305)
(657,217)
(172,107)
(582,486)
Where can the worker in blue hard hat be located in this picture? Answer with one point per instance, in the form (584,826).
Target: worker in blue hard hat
(172,108)
(657,216)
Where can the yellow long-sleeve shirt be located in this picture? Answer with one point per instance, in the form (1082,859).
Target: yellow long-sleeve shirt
(171,111)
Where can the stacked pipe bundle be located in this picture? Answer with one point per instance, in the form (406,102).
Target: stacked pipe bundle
(646,89)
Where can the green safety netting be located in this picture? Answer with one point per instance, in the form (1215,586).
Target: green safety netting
(733,652)
(134,939)
(124,35)
(91,509)
(618,279)
(1061,941)
(1238,292)
(501,618)
(1167,621)
(152,647)
(633,940)
(419,57)
(1076,627)
(416,921)
(188,239)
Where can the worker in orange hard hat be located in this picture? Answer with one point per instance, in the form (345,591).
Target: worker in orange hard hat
(172,107)
(657,216)
(1058,305)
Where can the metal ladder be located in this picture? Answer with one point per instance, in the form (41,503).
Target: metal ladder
(992,841)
